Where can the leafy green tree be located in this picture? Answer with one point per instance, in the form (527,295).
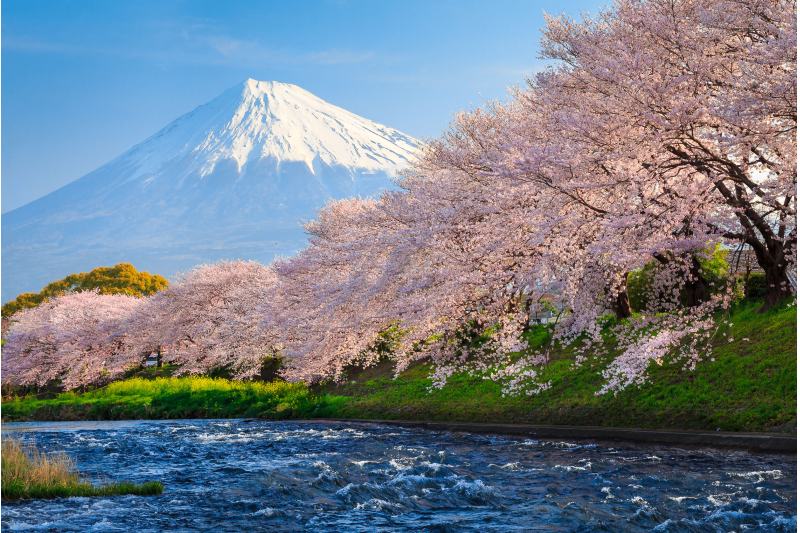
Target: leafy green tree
(122,278)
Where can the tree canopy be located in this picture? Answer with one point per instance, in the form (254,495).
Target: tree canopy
(122,278)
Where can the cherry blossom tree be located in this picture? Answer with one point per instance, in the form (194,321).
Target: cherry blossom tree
(76,339)
(701,97)
(206,320)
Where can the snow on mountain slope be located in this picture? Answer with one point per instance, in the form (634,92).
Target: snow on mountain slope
(229,180)
(268,119)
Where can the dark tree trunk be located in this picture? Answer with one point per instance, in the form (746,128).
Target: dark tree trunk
(777,284)
(695,285)
(528,305)
(777,287)
(159,359)
(621,303)
(747,279)
(622,306)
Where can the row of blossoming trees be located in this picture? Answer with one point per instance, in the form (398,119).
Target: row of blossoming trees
(665,128)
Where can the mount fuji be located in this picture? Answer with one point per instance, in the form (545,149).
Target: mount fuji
(230,180)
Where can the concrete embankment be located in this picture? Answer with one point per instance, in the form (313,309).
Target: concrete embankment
(769,442)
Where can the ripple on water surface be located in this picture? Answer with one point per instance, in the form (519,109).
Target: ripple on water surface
(232,475)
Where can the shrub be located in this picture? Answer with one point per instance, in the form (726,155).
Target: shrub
(756,286)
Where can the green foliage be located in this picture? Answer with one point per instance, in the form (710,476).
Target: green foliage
(756,287)
(639,284)
(170,397)
(715,271)
(122,278)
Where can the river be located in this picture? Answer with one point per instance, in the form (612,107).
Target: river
(253,475)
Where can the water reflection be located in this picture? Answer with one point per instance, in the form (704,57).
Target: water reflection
(232,475)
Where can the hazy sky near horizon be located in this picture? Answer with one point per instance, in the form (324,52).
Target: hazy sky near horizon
(82,82)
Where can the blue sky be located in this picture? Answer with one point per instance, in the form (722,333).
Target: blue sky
(84,81)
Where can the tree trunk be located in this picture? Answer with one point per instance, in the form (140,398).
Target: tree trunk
(528,305)
(777,284)
(621,303)
(695,285)
(159,360)
(777,287)
(747,279)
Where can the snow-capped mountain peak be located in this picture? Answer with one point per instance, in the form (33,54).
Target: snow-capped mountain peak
(277,121)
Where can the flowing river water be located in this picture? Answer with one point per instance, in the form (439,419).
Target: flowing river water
(253,475)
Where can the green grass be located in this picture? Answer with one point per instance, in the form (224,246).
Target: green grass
(169,397)
(27,473)
(751,386)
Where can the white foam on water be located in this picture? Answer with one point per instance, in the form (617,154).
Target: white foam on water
(719,499)
(408,479)
(433,466)
(474,488)
(217,438)
(602,479)
(181,428)
(571,468)
(344,490)
(103,503)
(719,513)
(375,504)
(24,526)
(645,509)
(402,463)
(362,463)
(104,525)
(664,525)
(759,475)
(679,499)
(786,522)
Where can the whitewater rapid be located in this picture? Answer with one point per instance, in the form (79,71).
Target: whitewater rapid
(235,475)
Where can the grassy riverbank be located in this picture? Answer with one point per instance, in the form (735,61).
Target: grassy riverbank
(28,473)
(750,386)
(169,397)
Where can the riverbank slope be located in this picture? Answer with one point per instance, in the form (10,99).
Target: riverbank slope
(750,386)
